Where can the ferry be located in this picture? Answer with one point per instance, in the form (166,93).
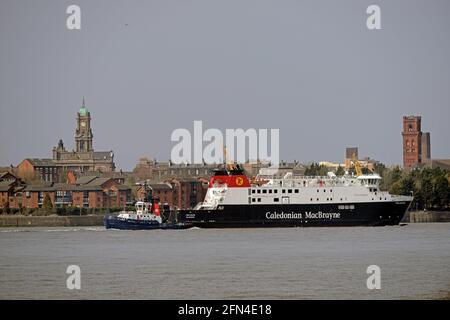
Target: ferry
(234,201)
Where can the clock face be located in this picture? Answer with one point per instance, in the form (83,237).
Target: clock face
(83,124)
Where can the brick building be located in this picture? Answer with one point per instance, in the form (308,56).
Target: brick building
(175,193)
(92,192)
(10,187)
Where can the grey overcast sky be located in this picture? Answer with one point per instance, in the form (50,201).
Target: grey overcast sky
(310,68)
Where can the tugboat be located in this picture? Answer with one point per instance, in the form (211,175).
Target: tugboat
(234,201)
(147,216)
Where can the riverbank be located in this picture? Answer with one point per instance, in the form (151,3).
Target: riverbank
(50,221)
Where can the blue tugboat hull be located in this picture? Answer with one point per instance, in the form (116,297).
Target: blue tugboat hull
(113,222)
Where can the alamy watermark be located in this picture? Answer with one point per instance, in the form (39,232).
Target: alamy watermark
(73,21)
(374,280)
(240,145)
(74,279)
(373,21)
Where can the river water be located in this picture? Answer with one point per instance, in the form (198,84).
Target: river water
(291,263)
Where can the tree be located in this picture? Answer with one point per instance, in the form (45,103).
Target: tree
(426,192)
(340,171)
(440,191)
(47,203)
(390,177)
(379,168)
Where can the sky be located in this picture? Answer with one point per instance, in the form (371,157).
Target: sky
(311,69)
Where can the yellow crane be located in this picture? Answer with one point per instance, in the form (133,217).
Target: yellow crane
(357,165)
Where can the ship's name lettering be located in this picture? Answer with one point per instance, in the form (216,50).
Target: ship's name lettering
(306,215)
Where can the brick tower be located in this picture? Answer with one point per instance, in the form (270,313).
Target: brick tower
(412,141)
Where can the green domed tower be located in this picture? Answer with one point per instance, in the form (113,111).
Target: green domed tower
(83,110)
(83,133)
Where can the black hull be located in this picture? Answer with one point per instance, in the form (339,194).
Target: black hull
(297,215)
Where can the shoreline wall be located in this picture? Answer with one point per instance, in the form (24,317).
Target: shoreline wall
(18,221)
(426,216)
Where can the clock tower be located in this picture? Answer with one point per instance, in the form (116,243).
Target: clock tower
(83,133)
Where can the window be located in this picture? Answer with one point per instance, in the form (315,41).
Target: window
(253,190)
(296,191)
(259,191)
(283,191)
(264,191)
(253,199)
(289,190)
(276,199)
(270,190)
(275,191)
(259,199)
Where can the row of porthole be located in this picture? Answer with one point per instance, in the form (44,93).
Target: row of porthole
(265,191)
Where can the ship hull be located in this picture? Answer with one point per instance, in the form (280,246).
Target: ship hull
(298,215)
(113,222)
